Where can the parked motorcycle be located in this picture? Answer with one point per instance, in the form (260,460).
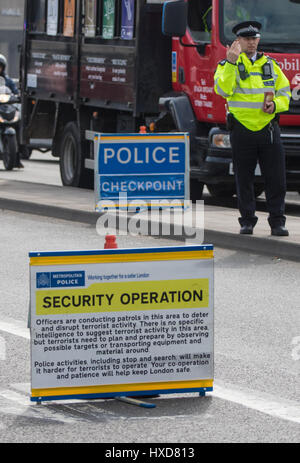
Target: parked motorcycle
(9,118)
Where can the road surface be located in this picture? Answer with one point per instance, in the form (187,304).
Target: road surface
(257,353)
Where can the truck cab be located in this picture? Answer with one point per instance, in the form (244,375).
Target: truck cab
(206,31)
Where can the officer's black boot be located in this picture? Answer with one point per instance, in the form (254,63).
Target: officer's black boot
(246,230)
(280,230)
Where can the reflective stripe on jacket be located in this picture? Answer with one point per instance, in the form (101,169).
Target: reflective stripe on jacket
(245,97)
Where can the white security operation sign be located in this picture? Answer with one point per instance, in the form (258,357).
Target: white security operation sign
(113,322)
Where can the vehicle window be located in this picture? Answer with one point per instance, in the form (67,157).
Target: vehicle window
(279,19)
(200,19)
(69,18)
(37,15)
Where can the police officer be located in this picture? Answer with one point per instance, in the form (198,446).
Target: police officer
(11,85)
(243,79)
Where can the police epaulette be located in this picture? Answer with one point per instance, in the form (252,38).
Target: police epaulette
(270,57)
(222,62)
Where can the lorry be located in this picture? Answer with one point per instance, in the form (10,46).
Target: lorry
(111,66)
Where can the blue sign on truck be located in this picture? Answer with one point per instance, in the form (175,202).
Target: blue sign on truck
(127,26)
(144,167)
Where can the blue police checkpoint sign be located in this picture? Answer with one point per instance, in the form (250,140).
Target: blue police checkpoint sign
(146,168)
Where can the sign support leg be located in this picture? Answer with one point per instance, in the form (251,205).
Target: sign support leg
(138,403)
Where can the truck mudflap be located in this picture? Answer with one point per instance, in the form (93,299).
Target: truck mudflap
(179,107)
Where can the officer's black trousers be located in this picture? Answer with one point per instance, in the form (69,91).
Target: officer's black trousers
(263,146)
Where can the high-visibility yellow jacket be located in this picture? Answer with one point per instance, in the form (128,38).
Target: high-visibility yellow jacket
(245,97)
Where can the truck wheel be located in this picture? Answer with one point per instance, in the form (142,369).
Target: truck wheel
(9,151)
(196,189)
(222,190)
(25,152)
(72,170)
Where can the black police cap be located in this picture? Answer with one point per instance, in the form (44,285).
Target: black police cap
(247,29)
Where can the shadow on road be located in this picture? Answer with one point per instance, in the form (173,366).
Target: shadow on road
(109,409)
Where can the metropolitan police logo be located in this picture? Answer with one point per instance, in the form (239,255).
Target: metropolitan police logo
(60,279)
(43,280)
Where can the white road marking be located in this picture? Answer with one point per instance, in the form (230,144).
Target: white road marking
(15,327)
(259,401)
(13,403)
(25,389)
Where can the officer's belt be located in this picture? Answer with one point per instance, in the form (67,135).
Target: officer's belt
(232,121)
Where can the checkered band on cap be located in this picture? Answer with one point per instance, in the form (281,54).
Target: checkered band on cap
(254,31)
(247,29)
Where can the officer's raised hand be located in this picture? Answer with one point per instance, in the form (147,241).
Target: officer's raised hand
(233,52)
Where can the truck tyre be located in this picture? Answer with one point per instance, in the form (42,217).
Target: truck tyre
(9,151)
(25,152)
(196,189)
(72,170)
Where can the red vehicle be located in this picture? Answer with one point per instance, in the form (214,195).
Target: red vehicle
(83,70)
(197,54)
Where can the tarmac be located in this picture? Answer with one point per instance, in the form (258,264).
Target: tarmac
(221,227)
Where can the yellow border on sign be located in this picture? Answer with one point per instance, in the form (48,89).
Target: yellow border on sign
(116,258)
(138,137)
(114,388)
(137,203)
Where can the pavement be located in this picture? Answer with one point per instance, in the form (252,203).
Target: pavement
(221,226)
